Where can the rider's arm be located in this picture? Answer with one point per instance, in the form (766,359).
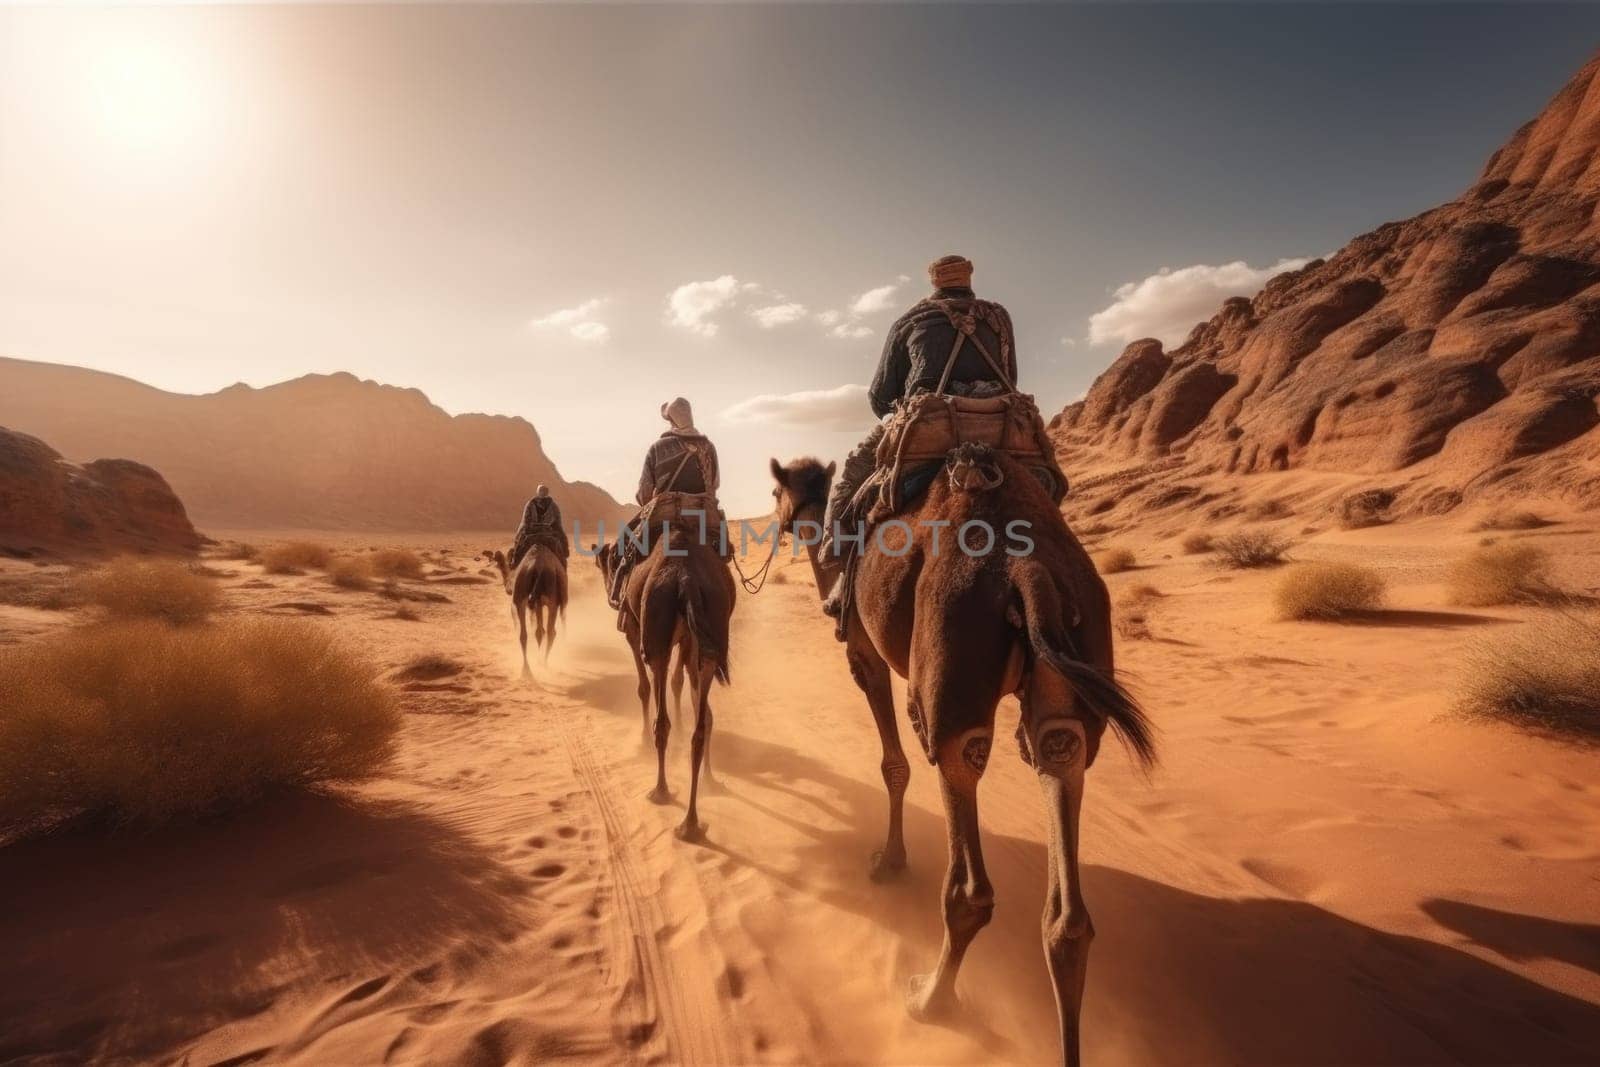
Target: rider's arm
(647,479)
(713,476)
(889,383)
(1011,335)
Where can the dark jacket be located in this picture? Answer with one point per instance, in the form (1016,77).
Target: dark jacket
(920,341)
(664,458)
(541,524)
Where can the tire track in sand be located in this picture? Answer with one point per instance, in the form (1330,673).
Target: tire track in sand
(657,995)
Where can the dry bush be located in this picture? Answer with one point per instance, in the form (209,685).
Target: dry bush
(1270,509)
(1131,610)
(1327,590)
(139,722)
(1545,675)
(1511,520)
(1367,507)
(1251,548)
(292,557)
(1500,574)
(351,572)
(129,588)
(405,613)
(238,550)
(430,667)
(1115,561)
(396,563)
(1196,543)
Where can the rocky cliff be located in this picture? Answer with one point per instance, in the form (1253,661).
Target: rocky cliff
(107,505)
(1451,356)
(318,452)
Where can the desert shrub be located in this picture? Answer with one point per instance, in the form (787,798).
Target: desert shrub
(129,588)
(396,563)
(1196,543)
(1251,548)
(237,550)
(1115,561)
(1500,574)
(405,613)
(139,722)
(1367,507)
(1511,520)
(1327,590)
(292,557)
(1131,609)
(1545,675)
(1270,509)
(430,667)
(351,572)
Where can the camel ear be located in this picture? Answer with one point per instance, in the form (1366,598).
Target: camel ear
(779,473)
(832,466)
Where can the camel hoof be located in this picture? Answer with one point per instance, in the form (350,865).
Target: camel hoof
(660,795)
(712,785)
(693,832)
(924,1003)
(887,868)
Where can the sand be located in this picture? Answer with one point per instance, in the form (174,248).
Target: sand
(1330,866)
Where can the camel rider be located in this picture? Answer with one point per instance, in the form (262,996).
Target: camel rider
(681,464)
(541,525)
(919,345)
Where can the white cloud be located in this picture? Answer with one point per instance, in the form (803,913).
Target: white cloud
(844,408)
(830,317)
(692,306)
(875,300)
(849,331)
(593,332)
(778,314)
(579,321)
(1168,304)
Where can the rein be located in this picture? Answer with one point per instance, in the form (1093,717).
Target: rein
(754,586)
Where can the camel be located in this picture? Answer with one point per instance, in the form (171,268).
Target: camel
(540,581)
(605,558)
(680,599)
(964,630)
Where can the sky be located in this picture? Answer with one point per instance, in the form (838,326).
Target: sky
(573,214)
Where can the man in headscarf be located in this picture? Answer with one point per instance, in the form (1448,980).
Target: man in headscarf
(541,524)
(950,323)
(682,461)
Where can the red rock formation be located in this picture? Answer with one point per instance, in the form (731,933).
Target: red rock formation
(107,505)
(1454,354)
(318,452)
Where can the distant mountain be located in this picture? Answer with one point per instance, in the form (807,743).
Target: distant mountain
(102,506)
(319,452)
(1450,356)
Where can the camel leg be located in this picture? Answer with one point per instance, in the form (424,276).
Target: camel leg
(1059,754)
(658,675)
(522,635)
(549,629)
(677,689)
(968,896)
(691,830)
(644,691)
(872,675)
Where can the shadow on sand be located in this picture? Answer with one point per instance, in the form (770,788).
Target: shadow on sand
(125,945)
(1177,976)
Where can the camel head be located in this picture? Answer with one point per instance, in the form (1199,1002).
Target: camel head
(605,558)
(498,558)
(802,484)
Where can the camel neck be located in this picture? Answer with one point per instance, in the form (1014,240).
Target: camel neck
(823,571)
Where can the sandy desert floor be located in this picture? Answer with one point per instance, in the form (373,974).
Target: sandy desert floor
(1329,866)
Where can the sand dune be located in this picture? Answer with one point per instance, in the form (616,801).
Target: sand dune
(1329,867)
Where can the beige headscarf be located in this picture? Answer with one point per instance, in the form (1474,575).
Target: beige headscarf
(678,412)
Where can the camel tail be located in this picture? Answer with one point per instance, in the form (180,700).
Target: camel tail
(708,645)
(1100,691)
